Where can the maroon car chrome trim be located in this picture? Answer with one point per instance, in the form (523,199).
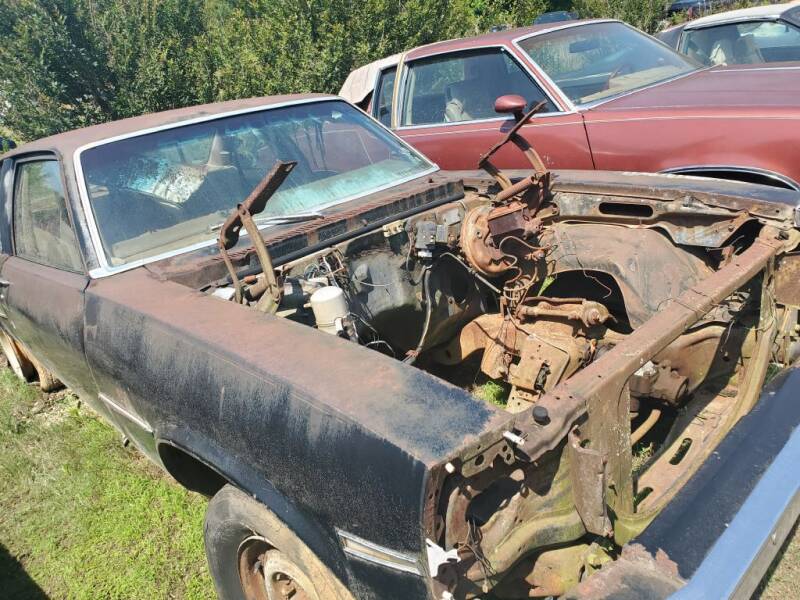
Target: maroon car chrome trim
(691,169)
(136,420)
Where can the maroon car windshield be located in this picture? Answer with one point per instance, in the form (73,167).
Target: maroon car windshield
(596,61)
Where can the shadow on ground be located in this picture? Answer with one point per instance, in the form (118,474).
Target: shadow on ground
(15,582)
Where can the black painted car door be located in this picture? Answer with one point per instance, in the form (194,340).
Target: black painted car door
(44,277)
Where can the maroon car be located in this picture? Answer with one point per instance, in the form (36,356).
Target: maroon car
(613,99)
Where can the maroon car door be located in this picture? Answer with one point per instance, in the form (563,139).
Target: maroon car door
(446,110)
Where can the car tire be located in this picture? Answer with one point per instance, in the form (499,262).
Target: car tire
(47,381)
(250,549)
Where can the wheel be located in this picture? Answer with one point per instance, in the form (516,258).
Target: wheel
(47,381)
(17,360)
(25,365)
(252,555)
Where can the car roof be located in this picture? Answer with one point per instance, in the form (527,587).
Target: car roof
(769,11)
(360,82)
(504,37)
(65,144)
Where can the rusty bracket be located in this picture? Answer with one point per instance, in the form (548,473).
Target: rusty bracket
(542,175)
(242,216)
(588,474)
(787,280)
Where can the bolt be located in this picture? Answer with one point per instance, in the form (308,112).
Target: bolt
(540,415)
(515,439)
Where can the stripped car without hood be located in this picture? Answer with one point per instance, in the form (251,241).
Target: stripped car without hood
(623,322)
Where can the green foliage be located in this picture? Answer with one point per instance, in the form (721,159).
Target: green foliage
(493,392)
(275,47)
(71,63)
(644,14)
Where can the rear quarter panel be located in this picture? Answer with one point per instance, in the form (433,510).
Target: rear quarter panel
(655,140)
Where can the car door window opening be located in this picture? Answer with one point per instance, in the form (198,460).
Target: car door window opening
(42,229)
(384,98)
(463,86)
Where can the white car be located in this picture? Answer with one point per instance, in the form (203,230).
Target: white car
(762,34)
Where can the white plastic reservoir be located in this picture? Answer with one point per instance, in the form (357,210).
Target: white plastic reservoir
(329,307)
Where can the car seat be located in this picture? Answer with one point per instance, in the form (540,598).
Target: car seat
(486,78)
(746,52)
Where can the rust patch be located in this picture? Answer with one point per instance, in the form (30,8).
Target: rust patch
(787,280)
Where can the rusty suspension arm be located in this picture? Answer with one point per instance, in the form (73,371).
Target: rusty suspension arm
(603,382)
(540,170)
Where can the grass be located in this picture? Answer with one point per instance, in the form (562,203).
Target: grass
(642,453)
(492,392)
(82,517)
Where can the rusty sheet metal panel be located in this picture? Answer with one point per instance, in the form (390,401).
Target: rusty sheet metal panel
(645,264)
(787,280)
(759,200)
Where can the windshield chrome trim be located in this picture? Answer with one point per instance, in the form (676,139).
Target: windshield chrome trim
(105,269)
(588,105)
(740,70)
(694,26)
(597,103)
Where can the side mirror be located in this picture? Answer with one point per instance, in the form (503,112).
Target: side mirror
(511,104)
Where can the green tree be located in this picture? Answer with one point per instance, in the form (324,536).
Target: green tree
(644,14)
(69,63)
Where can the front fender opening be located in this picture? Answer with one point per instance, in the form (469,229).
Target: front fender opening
(189,471)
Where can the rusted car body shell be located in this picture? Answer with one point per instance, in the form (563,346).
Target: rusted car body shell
(327,433)
(281,410)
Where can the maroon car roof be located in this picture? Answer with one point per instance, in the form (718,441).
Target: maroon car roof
(66,143)
(488,39)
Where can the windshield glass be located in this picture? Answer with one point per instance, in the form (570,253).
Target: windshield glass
(599,60)
(743,43)
(171,189)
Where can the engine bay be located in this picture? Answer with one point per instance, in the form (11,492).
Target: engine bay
(507,292)
(513,291)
